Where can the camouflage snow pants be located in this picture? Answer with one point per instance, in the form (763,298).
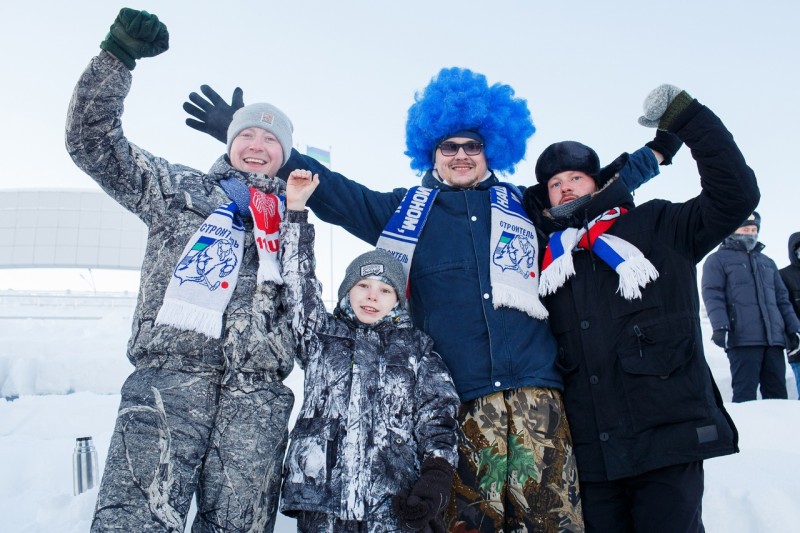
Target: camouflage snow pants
(177,433)
(516,469)
(313,522)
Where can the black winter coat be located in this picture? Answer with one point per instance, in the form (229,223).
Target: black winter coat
(638,392)
(744,293)
(791,274)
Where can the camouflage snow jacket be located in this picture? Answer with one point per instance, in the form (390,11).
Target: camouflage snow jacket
(173,200)
(377,400)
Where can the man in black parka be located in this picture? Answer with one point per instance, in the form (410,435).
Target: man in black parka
(750,313)
(791,278)
(622,295)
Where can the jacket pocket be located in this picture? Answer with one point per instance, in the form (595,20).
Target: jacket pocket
(312,452)
(662,373)
(565,363)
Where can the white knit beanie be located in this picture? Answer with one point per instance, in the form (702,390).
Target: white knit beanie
(267,117)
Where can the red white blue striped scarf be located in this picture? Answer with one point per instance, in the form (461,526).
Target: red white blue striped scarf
(634,269)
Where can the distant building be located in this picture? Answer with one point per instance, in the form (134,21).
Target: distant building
(53,228)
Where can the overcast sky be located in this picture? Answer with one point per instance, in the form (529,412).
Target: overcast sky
(346,73)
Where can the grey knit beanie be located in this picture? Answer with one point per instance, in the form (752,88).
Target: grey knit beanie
(377,263)
(267,117)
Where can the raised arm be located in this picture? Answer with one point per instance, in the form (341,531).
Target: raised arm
(729,188)
(338,200)
(94,137)
(302,292)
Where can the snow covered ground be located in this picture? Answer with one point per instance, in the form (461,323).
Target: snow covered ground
(62,364)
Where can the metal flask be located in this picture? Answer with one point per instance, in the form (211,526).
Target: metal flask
(84,465)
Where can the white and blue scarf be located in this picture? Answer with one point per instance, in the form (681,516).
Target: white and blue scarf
(205,277)
(514,262)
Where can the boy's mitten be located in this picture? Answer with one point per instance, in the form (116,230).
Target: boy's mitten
(424,505)
(134,35)
(213,115)
(663,105)
(667,144)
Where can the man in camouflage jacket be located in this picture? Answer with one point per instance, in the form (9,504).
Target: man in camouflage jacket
(198,414)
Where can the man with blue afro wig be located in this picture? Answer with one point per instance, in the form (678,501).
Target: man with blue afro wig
(473,288)
(458,100)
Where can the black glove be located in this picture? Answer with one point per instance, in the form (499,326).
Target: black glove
(134,35)
(720,338)
(214,115)
(793,350)
(667,144)
(424,505)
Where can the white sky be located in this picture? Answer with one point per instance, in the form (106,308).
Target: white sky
(346,73)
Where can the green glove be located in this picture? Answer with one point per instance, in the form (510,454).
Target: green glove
(663,105)
(134,35)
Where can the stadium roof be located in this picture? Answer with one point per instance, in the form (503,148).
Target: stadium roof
(68,228)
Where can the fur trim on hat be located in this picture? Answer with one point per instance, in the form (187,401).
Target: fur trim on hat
(566,155)
(458,99)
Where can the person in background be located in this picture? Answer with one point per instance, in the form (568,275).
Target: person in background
(374,444)
(471,257)
(751,316)
(791,278)
(620,283)
(204,413)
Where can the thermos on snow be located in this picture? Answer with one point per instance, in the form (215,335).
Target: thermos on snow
(84,465)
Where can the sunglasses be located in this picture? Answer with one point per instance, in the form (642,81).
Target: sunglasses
(470,148)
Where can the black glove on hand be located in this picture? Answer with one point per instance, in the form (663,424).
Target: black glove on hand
(424,505)
(667,144)
(134,35)
(793,350)
(214,115)
(720,338)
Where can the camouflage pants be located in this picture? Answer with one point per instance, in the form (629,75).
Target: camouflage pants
(177,433)
(516,469)
(241,478)
(311,522)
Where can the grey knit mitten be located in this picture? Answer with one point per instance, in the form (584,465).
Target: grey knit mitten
(662,105)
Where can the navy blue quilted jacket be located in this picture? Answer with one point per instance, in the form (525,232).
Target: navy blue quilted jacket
(743,291)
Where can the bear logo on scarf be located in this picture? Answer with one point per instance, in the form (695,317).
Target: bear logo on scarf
(207,262)
(514,252)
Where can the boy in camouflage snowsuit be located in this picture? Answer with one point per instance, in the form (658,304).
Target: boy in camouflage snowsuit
(374,445)
(205,411)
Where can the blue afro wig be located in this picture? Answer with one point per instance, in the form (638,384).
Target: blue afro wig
(458,99)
